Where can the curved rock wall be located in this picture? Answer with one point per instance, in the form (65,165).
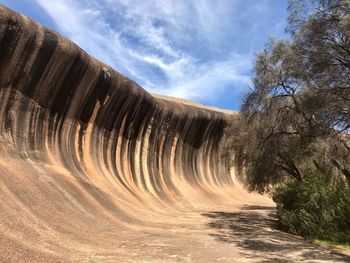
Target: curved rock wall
(56,98)
(85,150)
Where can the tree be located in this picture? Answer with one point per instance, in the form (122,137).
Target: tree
(321,40)
(297,116)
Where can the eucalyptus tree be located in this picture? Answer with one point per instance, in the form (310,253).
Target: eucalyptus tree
(297,115)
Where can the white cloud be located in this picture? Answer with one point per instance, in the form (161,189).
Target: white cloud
(173,47)
(212,79)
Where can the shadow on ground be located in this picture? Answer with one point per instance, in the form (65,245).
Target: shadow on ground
(255,230)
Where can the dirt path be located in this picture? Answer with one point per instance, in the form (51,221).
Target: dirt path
(247,234)
(252,232)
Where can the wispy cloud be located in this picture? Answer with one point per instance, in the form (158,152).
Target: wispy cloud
(193,49)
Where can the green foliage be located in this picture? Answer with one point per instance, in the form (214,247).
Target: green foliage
(296,118)
(316,208)
(294,125)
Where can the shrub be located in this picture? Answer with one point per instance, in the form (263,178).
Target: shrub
(315,208)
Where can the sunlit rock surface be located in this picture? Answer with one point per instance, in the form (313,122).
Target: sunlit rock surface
(93,168)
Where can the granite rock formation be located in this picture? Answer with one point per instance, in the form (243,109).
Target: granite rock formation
(94,168)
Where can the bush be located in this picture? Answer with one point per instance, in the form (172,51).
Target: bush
(315,208)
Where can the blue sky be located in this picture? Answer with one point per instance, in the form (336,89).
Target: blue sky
(201,50)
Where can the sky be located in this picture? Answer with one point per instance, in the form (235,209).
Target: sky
(202,50)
